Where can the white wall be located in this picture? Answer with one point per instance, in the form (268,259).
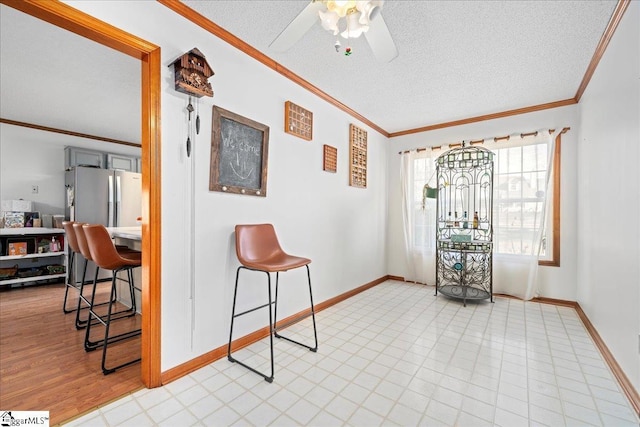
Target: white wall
(316,214)
(555,282)
(609,196)
(34,157)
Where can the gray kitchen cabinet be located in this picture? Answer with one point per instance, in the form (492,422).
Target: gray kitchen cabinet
(122,162)
(74,156)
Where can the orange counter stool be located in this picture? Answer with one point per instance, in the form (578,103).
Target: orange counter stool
(83,246)
(258,249)
(105,255)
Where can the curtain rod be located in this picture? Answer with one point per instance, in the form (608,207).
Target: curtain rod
(480,141)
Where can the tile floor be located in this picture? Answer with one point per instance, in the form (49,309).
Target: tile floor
(397,355)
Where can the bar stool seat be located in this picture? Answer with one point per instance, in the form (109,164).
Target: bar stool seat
(277,262)
(258,249)
(105,256)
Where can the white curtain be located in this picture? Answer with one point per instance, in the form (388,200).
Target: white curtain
(517,274)
(417,169)
(513,274)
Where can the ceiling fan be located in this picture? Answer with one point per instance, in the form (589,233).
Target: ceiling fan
(349,18)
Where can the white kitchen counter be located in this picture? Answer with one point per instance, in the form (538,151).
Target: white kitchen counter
(130,233)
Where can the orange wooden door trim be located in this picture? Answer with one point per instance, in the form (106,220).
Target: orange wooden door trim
(68,18)
(151,220)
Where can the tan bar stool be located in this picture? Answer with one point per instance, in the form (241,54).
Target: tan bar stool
(83,246)
(258,249)
(105,255)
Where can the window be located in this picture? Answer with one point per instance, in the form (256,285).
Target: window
(520,170)
(424,170)
(518,198)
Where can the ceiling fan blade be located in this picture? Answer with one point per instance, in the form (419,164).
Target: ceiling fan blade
(380,40)
(297,28)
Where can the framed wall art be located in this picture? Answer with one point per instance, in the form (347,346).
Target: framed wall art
(357,157)
(329,158)
(298,121)
(239,154)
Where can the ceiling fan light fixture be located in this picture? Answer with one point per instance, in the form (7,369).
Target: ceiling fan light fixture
(362,16)
(341,7)
(369,10)
(354,27)
(329,21)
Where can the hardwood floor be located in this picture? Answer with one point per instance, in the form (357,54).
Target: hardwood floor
(43,365)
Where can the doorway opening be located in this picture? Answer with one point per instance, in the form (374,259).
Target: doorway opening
(66,17)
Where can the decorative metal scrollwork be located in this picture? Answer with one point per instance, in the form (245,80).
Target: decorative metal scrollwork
(464,217)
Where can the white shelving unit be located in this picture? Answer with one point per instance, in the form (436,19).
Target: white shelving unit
(33,259)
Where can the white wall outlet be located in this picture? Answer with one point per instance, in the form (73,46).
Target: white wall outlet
(34,189)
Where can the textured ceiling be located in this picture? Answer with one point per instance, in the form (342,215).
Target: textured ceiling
(52,77)
(457,59)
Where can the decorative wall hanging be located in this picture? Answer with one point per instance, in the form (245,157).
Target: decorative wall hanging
(357,157)
(239,154)
(330,158)
(298,121)
(191,74)
(190,110)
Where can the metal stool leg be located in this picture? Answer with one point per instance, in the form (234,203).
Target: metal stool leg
(234,315)
(122,314)
(127,312)
(131,290)
(88,344)
(313,316)
(80,323)
(94,319)
(107,324)
(71,282)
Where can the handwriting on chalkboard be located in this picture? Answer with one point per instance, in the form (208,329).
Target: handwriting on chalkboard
(239,149)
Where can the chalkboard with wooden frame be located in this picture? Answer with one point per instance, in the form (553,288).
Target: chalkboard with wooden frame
(239,154)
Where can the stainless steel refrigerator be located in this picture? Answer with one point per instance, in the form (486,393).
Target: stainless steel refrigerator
(102,196)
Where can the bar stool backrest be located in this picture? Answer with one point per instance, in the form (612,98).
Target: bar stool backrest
(256,244)
(82,240)
(70,232)
(72,241)
(102,249)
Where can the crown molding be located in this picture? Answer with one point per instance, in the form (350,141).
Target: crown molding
(616,16)
(68,132)
(203,22)
(491,116)
(200,20)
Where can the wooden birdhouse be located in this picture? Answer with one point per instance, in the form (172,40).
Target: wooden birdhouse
(191,72)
